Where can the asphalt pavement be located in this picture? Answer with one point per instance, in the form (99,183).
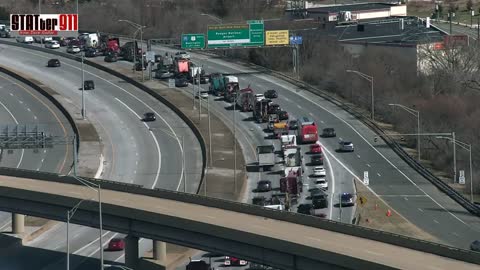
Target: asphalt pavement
(145,153)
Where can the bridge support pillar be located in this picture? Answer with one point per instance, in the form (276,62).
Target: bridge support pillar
(131,251)
(18,223)
(160,252)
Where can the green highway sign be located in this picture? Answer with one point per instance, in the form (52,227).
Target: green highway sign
(193,41)
(236,35)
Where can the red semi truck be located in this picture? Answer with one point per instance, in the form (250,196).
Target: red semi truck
(307,131)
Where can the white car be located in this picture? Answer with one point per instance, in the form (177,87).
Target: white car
(24,39)
(73,49)
(321,183)
(259,97)
(182,55)
(52,45)
(319,171)
(204,94)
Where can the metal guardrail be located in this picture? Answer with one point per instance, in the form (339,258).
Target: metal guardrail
(55,102)
(137,84)
(344,228)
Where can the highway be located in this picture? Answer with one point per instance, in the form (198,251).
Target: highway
(390,177)
(137,152)
(217,228)
(23,106)
(458,29)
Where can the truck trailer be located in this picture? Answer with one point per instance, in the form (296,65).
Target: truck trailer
(266,156)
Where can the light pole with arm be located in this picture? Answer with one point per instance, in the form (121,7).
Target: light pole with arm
(139,28)
(467,147)
(370,79)
(95,187)
(215,18)
(416,114)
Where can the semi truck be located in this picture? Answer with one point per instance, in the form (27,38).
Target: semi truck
(128,50)
(288,140)
(307,131)
(109,44)
(217,84)
(245,99)
(231,88)
(194,73)
(260,111)
(292,183)
(279,129)
(266,156)
(292,158)
(182,66)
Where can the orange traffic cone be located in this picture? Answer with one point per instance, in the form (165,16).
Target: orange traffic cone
(389,213)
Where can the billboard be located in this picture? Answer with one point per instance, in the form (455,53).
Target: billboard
(43,25)
(232,35)
(279,37)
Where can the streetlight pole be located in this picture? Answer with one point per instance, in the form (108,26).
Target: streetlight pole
(416,114)
(370,79)
(467,147)
(70,213)
(234,145)
(84,112)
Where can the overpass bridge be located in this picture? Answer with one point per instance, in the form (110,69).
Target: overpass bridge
(279,239)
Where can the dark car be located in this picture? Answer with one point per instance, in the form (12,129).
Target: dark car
(316,160)
(116,244)
(319,198)
(89,85)
(204,79)
(259,200)
(149,116)
(181,81)
(273,109)
(271,94)
(283,115)
(264,186)
(475,245)
(346,199)
(328,132)
(53,63)
(293,124)
(138,66)
(90,52)
(304,208)
(4,33)
(110,58)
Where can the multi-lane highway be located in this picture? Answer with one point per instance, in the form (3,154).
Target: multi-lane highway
(145,153)
(22,107)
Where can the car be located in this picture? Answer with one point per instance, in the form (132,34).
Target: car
(110,58)
(283,115)
(328,132)
(316,160)
(315,148)
(73,49)
(163,74)
(304,208)
(346,199)
(204,79)
(233,261)
(293,124)
(67,41)
(319,198)
(475,245)
(53,63)
(319,171)
(264,186)
(90,52)
(138,66)
(182,55)
(271,94)
(40,39)
(321,183)
(149,117)
(4,33)
(345,146)
(181,81)
(203,94)
(52,45)
(259,97)
(273,109)
(88,85)
(259,200)
(25,39)
(116,244)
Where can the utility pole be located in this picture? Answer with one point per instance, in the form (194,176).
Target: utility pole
(454,158)
(84,112)
(209,133)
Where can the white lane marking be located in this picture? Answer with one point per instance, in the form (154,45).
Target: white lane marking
(21,102)
(43,160)
(128,93)
(288,88)
(379,174)
(154,138)
(368,165)
(134,172)
(211,217)
(420,209)
(436,221)
(333,182)
(89,244)
(136,154)
(16,122)
(286,99)
(405,198)
(28,109)
(311,114)
(45,151)
(456,234)
(358,156)
(299,106)
(321,121)
(35,117)
(11,94)
(104,244)
(374,253)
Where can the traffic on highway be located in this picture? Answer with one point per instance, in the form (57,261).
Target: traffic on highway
(102,105)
